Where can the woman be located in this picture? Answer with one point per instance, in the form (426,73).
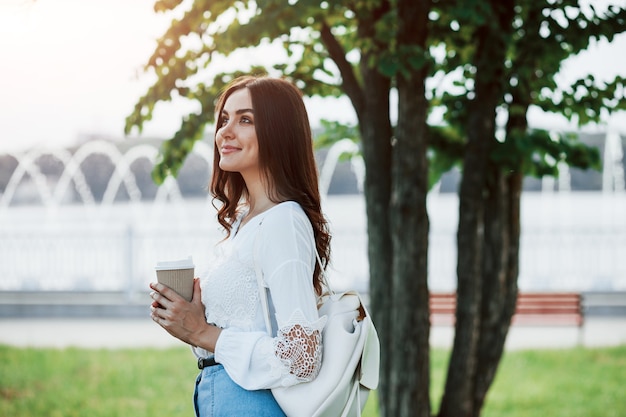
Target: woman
(265,179)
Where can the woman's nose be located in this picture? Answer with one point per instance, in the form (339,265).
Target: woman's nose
(226,131)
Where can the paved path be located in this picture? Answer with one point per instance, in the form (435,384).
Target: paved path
(597,331)
(142,332)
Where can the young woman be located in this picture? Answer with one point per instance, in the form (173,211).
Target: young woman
(265,181)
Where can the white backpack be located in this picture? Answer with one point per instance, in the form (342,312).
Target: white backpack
(350,359)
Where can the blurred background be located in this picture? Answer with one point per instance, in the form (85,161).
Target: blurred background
(82,224)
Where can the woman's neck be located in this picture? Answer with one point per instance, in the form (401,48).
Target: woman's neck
(258,200)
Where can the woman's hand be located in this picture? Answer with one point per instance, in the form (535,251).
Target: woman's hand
(182,319)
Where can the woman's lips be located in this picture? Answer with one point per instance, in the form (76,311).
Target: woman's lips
(229,149)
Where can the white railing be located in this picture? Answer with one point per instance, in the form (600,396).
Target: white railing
(570,241)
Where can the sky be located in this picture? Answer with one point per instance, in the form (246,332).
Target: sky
(72,69)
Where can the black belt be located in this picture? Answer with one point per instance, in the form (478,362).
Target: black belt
(206,362)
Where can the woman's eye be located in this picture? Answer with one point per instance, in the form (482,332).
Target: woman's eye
(224,121)
(246,120)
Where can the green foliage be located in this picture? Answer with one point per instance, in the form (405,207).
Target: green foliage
(538,153)
(403,60)
(333,132)
(447,149)
(586,99)
(213,31)
(546,33)
(210,31)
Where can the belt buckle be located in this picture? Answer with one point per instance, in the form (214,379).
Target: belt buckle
(206,362)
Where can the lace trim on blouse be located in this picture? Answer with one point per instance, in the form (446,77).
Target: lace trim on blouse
(298,349)
(234,304)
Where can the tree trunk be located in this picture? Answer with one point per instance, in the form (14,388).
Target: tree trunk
(376,134)
(410,367)
(474,237)
(501,279)
(503,219)
(376,131)
(500,270)
(456,401)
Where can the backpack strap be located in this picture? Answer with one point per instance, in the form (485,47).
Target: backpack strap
(259,280)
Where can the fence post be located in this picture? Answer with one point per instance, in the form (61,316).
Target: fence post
(129,260)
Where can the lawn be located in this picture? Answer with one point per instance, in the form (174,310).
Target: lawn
(159,382)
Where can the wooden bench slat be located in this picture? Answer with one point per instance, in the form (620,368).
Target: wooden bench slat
(531,308)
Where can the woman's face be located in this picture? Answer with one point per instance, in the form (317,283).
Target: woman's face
(236,138)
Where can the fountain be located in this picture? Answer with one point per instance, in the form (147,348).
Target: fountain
(26,166)
(344,146)
(76,239)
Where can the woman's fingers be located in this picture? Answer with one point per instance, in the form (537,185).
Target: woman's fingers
(178,317)
(197,291)
(166,303)
(163,294)
(160,302)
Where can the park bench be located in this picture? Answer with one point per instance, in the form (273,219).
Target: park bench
(549,308)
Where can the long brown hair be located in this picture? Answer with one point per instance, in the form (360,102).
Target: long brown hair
(286,159)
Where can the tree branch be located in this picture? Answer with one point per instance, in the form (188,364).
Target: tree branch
(349,81)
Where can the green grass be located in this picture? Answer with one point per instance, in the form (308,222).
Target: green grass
(154,382)
(573,383)
(96,383)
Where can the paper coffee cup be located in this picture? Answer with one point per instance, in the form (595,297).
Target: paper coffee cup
(178,275)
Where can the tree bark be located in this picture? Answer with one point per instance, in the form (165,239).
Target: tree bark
(500,271)
(501,290)
(409,391)
(370,98)
(376,135)
(501,261)
(457,398)
(376,131)
(475,235)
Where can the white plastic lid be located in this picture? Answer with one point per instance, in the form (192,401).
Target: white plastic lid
(178,264)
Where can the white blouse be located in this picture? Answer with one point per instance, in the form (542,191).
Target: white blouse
(286,255)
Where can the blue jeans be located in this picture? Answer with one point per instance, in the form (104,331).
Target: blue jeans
(216,395)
